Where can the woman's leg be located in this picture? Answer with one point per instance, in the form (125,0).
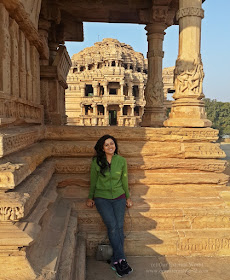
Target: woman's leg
(107,209)
(119,206)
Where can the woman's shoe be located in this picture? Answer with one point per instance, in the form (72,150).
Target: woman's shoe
(126,267)
(120,271)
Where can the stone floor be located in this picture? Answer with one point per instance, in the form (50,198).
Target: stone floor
(168,268)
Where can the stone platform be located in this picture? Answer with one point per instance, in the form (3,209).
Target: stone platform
(164,268)
(176,179)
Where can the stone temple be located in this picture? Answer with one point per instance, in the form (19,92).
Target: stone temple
(176,178)
(106,85)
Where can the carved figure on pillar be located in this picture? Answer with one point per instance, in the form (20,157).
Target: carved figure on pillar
(188,108)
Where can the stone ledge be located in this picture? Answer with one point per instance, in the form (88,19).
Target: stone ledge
(136,134)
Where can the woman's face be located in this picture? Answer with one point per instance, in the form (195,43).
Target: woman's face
(109,147)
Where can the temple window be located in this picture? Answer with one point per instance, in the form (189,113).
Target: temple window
(125,66)
(88,90)
(90,66)
(145,71)
(131,67)
(135,91)
(136,111)
(82,68)
(138,69)
(88,110)
(74,70)
(101,92)
(100,110)
(125,110)
(99,65)
(113,63)
(113,87)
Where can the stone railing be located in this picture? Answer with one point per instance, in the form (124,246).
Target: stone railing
(93,120)
(131,121)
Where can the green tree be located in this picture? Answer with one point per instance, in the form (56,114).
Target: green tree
(219,113)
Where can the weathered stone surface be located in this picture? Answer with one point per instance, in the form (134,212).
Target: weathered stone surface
(124,133)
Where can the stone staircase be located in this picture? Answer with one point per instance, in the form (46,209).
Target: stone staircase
(176,180)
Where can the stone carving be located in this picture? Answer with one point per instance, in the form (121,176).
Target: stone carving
(189,78)
(14,143)
(155,53)
(11,213)
(207,244)
(190,11)
(159,13)
(14,34)
(154,94)
(19,110)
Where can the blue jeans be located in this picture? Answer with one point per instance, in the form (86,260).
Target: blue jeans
(112,212)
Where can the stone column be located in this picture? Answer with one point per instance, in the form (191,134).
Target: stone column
(82,89)
(105,85)
(188,108)
(141,91)
(154,114)
(120,120)
(106,117)
(132,110)
(95,88)
(130,89)
(94,117)
(122,88)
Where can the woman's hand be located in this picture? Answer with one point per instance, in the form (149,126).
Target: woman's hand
(90,202)
(129,202)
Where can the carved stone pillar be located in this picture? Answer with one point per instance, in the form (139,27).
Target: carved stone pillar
(154,114)
(141,91)
(106,116)
(95,88)
(94,117)
(82,89)
(120,120)
(188,108)
(122,88)
(132,110)
(105,85)
(130,89)
(121,109)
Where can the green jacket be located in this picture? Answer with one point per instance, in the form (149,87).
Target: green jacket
(115,181)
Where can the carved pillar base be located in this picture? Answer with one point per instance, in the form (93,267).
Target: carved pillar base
(188,113)
(153,117)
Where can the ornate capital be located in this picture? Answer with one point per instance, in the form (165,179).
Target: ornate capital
(190,11)
(159,13)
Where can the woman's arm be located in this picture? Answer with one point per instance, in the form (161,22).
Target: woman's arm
(124,179)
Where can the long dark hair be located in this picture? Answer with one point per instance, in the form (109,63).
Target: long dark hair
(100,154)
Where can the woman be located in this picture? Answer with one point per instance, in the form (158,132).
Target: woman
(109,192)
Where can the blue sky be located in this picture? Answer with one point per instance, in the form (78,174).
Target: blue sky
(215,45)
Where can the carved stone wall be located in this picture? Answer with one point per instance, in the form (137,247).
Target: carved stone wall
(19,75)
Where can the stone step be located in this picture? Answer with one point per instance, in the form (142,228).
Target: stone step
(54,226)
(196,242)
(159,219)
(67,259)
(80,258)
(150,191)
(169,202)
(82,165)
